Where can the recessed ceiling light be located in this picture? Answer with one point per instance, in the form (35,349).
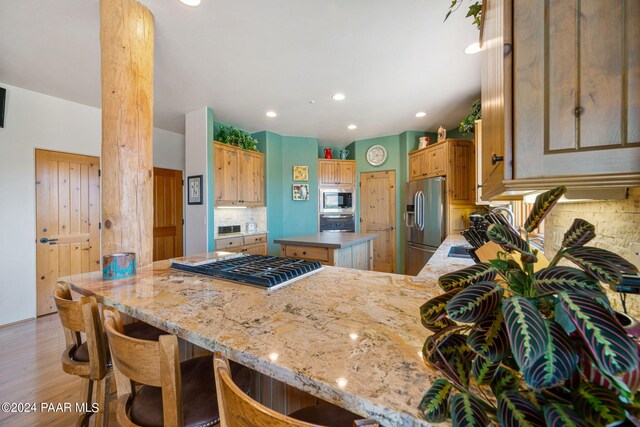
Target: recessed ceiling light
(472,48)
(190,2)
(339,97)
(421,114)
(352,127)
(272,114)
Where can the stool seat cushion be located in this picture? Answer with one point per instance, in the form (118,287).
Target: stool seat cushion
(326,415)
(139,330)
(199,400)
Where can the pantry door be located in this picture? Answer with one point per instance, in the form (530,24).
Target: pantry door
(378,215)
(67,220)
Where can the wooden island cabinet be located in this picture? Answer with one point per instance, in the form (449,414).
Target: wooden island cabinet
(254,244)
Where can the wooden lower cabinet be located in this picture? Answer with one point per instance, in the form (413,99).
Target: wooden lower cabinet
(359,256)
(255,244)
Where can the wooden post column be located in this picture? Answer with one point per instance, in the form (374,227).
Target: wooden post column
(126,41)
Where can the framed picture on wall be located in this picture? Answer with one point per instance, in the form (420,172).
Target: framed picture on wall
(301,173)
(194,188)
(300,191)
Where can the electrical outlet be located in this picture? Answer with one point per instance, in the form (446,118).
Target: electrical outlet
(635,253)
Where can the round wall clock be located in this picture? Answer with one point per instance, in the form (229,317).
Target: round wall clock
(376,155)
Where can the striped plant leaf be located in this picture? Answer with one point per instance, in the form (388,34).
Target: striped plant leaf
(593,263)
(475,303)
(580,233)
(557,363)
(466,411)
(559,415)
(598,405)
(557,279)
(489,338)
(514,410)
(607,341)
(433,313)
(481,272)
(434,406)
(614,259)
(504,380)
(629,381)
(483,370)
(542,206)
(448,351)
(527,330)
(505,237)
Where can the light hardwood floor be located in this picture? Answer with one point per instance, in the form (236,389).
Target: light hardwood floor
(31,371)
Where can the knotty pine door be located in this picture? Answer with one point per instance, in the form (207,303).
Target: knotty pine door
(167,214)
(67,220)
(378,215)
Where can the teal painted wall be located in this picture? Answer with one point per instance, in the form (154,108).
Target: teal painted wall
(286,217)
(455,133)
(210,183)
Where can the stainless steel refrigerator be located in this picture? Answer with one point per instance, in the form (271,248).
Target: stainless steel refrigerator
(425,221)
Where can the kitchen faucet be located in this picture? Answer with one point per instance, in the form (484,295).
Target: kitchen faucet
(512,218)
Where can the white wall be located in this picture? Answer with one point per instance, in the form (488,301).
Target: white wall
(34,120)
(196,229)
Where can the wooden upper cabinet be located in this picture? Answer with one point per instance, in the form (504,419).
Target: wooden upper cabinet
(575,72)
(437,162)
(337,172)
(417,165)
(238,176)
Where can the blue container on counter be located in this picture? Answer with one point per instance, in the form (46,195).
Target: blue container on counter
(118,266)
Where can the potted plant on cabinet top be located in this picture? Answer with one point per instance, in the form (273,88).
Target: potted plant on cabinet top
(525,348)
(236,137)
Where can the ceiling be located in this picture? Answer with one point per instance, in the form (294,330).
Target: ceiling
(245,57)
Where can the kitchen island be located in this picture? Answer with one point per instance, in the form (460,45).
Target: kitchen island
(349,250)
(349,337)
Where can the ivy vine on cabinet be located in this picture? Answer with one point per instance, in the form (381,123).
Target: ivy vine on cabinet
(560,95)
(238,176)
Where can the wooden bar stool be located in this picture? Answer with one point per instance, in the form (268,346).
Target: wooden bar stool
(90,359)
(237,409)
(155,389)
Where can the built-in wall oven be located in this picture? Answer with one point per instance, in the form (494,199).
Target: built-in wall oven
(337,223)
(337,200)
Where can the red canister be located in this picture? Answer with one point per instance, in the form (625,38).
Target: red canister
(327,153)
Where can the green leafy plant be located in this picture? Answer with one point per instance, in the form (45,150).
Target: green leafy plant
(468,125)
(475,10)
(519,347)
(236,137)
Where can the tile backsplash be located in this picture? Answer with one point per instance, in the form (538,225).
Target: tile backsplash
(240,217)
(617,224)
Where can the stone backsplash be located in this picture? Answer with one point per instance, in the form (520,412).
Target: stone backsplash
(617,224)
(240,217)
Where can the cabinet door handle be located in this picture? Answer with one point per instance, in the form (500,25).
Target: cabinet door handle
(507,49)
(495,159)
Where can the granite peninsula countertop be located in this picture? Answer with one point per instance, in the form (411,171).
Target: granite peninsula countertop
(440,263)
(350,337)
(328,240)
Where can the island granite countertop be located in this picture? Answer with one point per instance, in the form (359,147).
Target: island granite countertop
(328,240)
(350,337)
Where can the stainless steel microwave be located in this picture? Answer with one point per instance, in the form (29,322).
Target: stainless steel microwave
(341,200)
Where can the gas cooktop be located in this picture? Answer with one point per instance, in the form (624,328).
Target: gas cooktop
(267,272)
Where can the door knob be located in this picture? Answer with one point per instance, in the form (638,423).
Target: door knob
(495,159)
(45,240)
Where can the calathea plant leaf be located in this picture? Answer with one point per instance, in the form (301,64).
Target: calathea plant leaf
(559,415)
(527,330)
(628,382)
(475,303)
(489,338)
(483,370)
(514,410)
(542,206)
(580,233)
(433,313)
(556,364)
(616,260)
(466,411)
(607,341)
(504,380)
(598,405)
(505,237)
(593,263)
(552,280)
(434,406)
(481,272)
